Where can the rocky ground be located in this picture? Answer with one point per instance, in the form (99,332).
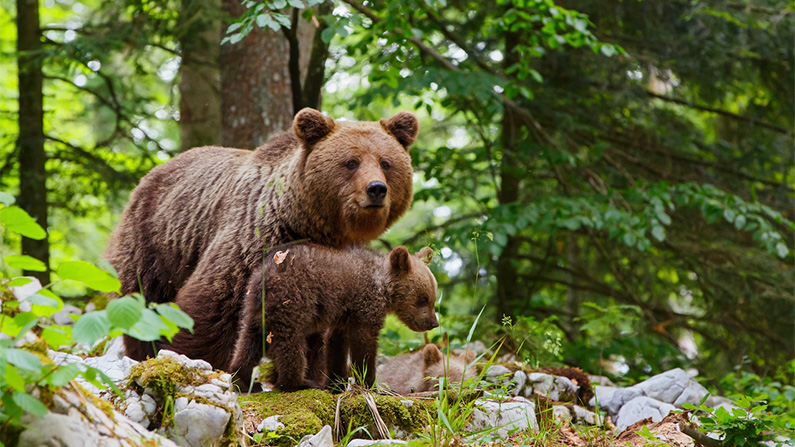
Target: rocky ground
(174,400)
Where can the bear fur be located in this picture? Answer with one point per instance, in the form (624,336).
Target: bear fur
(196,227)
(415,372)
(316,293)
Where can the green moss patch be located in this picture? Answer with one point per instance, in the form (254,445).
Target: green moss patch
(405,414)
(162,375)
(303,412)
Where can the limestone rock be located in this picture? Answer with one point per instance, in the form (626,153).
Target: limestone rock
(512,415)
(369,442)
(557,388)
(199,425)
(640,408)
(75,421)
(321,439)
(673,387)
(271,423)
(497,371)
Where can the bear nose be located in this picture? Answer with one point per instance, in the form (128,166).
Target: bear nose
(434,324)
(376,191)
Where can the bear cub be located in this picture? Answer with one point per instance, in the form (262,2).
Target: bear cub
(415,372)
(319,304)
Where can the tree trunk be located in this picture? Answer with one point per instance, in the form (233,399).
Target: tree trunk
(509,193)
(257,78)
(32,158)
(200,84)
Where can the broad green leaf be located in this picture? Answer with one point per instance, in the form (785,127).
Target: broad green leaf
(57,336)
(174,314)
(124,312)
(19,221)
(781,250)
(91,327)
(90,275)
(41,300)
(658,232)
(23,359)
(13,378)
(25,262)
(149,328)
(29,404)
(21,281)
(64,374)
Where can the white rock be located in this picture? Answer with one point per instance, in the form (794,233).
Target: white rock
(601,380)
(115,348)
(321,439)
(271,423)
(557,388)
(583,416)
(497,371)
(512,415)
(561,413)
(639,408)
(601,394)
(407,403)
(62,316)
(674,387)
(198,425)
(369,442)
(135,411)
(149,404)
(519,378)
(79,422)
(26,290)
(180,403)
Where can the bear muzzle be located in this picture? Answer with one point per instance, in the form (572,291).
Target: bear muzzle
(376,192)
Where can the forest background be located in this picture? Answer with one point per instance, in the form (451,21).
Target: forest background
(612,181)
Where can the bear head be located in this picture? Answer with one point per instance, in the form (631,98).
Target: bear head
(356,174)
(412,288)
(435,364)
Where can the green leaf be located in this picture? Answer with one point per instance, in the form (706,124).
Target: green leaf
(64,374)
(781,250)
(658,232)
(29,404)
(23,359)
(41,300)
(90,275)
(57,336)
(21,281)
(124,312)
(25,262)
(298,4)
(729,215)
(91,327)
(149,328)
(279,4)
(13,378)
(174,314)
(7,199)
(19,221)
(739,222)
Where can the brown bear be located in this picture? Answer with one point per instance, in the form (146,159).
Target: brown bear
(307,290)
(196,227)
(415,372)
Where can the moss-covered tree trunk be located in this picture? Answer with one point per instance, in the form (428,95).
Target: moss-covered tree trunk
(32,158)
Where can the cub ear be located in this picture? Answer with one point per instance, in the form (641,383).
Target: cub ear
(426,254)
(403,127)
(468,356)
(310,126)
(431,355)
(399,260)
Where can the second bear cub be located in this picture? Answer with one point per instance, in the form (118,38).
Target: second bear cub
(305,291)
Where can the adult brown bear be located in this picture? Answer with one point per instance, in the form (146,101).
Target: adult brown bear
(197,225)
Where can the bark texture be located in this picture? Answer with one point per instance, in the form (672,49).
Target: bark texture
(200,84)
(32,158)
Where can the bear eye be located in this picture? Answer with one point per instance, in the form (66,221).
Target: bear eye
(352,164)
(422,301)
(385,165)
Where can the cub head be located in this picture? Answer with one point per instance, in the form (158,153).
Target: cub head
(412,293)
(357,175)
(436,364)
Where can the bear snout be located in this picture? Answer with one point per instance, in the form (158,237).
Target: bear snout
(376,191)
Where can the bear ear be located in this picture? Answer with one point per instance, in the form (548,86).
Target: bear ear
(399,260)
(403,127)
(468,356)
(310,125)
(426,255)
(431,355)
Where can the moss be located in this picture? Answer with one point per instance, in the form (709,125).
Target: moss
(407,418)
(103,405)
(99,349)
(303,412)
(100,301)
(161,375)
(266,371)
